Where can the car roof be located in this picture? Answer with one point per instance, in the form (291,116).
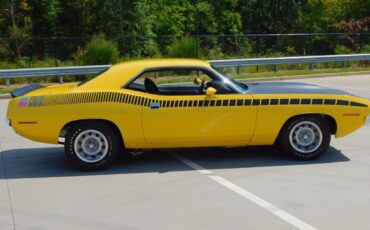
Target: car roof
(120,74)
(169,62)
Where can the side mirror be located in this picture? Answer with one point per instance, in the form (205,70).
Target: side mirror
(211,92)
(197,81)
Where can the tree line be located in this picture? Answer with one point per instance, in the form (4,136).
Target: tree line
(149,28)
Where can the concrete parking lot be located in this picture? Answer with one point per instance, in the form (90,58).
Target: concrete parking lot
(235,188)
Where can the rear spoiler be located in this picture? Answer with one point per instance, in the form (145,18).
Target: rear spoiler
(26,89)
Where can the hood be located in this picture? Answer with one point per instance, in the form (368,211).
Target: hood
(37,89)
(291,88)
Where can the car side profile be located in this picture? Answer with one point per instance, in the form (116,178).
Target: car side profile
(175,103)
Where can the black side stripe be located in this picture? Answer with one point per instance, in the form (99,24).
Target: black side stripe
(317,101)
(284,101)
(305,101)
(294,101)
(329,101)
(115,97)
(358,104)
(265,102)
(274,101)
(256,102)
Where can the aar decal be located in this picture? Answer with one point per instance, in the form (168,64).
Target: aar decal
(23,102)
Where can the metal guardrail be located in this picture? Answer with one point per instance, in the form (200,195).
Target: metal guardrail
(290,60)
(53,71)
(311,60)
(82,70)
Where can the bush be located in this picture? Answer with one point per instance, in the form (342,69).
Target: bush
(215,53)
(366,49)
(98,51)
(341,49)
(184,48)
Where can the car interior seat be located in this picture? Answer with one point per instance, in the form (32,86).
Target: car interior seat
(150,86)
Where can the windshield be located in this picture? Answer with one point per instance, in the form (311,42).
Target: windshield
(243,87)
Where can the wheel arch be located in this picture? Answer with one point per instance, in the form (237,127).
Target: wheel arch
(328,118)
(71,124)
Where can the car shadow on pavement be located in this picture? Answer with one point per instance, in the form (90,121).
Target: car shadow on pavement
(51,162)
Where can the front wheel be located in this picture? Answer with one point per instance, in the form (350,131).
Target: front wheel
(305,138)
(91,145)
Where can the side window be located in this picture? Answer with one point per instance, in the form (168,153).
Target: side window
(171,82)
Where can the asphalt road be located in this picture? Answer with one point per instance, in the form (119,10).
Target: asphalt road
(238,188)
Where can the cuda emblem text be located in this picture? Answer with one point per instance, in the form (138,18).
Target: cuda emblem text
(36,101)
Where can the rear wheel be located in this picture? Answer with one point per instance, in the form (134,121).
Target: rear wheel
(91,145)
(305,138)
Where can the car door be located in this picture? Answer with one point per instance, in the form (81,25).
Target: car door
(190,119)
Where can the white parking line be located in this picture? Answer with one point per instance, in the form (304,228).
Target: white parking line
(246,194)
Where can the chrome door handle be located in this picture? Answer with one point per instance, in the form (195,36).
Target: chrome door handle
(154,105)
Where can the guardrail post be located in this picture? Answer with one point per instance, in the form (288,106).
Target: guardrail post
(345,64)
(276,68)
(61,80)
(7,82)
(238,70)
(312,66)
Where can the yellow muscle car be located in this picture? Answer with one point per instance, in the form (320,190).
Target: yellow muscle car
(170,103)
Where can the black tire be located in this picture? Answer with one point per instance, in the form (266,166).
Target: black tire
(288,139)
(109,146)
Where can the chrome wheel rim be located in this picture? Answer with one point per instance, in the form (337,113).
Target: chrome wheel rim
(305,137)
(91,146)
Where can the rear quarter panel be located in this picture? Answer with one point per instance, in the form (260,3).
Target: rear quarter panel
(44,120)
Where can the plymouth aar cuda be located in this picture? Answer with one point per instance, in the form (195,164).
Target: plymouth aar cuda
(172,103)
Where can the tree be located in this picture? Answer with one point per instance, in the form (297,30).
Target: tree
(45,15)
(352,9)
(17,26)
(169,21)
(353,29)
(271,16)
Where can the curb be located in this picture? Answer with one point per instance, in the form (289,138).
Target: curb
(296,77)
